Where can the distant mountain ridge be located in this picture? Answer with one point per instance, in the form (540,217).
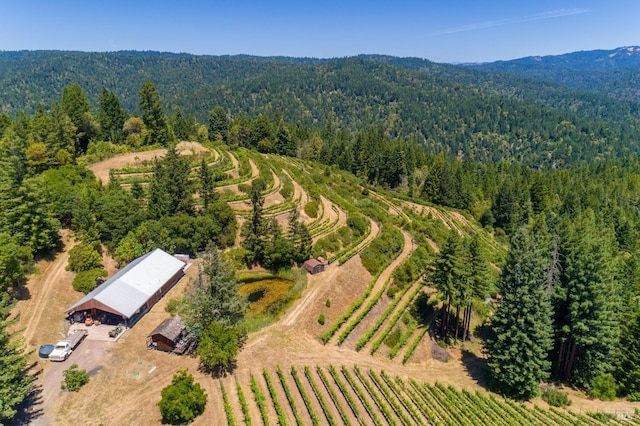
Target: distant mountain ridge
(468,112)
(592,60)
(613,73)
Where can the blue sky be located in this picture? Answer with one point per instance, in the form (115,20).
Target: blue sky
(442,31)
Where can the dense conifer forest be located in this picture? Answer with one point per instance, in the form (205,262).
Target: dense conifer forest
(548,171)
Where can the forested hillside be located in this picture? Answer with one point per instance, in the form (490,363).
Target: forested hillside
(611,73)
(448,109)
(436,184)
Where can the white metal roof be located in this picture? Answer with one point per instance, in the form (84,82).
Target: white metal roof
(130,288)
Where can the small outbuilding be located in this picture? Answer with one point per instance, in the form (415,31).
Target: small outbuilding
(167,336)
(316,265)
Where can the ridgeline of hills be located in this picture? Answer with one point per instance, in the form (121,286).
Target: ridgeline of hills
(543,112)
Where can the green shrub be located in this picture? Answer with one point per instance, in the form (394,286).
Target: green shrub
(358,224)
(84,257)
(393,338)
(172,306)
(633,396)
(183,400)
(327,303)
(88,280)
(244,187)
(555,397)
(603,387)
(321,319)
(311,209)
(74,379)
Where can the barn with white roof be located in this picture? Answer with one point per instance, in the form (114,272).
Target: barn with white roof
(132,291)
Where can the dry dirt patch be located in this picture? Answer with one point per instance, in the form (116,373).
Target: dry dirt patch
(138,159)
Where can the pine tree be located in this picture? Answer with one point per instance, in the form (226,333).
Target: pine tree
(214,296)
(451,278)
(15,381)
(153,116)
(522,331)
(479,280)
(218,125)
(170,191)
(254,229)
(76,106)
(207,190)
(587,302)
(111,116)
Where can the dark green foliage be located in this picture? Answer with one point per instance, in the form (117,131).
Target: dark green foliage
(586,304)
(15,380)
(14,261)
(555,397)
(183,400)
(84,257)
(383,248)
(170,191)
(214,296)
(74,379)
(111,116)
(522,335)
(86,281)
(153,116)
(218,125)
(311,209)
(75,105)
(217,346)
(116,214)
(321,318)
(207,190)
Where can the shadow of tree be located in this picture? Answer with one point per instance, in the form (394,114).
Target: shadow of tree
(476,367)
(30,409)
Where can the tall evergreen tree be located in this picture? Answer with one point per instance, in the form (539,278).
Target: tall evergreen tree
(218,125)
(15,381)
(207,190)
(153,116)
(170,191)
(111,116)
(451,278)
(587,302)
(76,106)
(214,296)
(479,280)
(522,330)
(255,228)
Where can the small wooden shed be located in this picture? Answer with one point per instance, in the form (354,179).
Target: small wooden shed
(167,335)
(316,265)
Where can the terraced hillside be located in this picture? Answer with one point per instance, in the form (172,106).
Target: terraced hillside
(297,370)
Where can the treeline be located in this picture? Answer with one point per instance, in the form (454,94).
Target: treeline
(480,116)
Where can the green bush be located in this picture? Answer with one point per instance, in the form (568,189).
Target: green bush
(321,319)
(84,257)
(88,280)
(311,209)
(393,338)
(555,397)
(74,379)
(172,306)
(327,303)
(603,387)
(183,400)
(358,224)
(218,346)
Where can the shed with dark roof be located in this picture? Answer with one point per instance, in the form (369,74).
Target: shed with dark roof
(167,335)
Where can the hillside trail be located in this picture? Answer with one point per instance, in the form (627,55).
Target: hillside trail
(407,249)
